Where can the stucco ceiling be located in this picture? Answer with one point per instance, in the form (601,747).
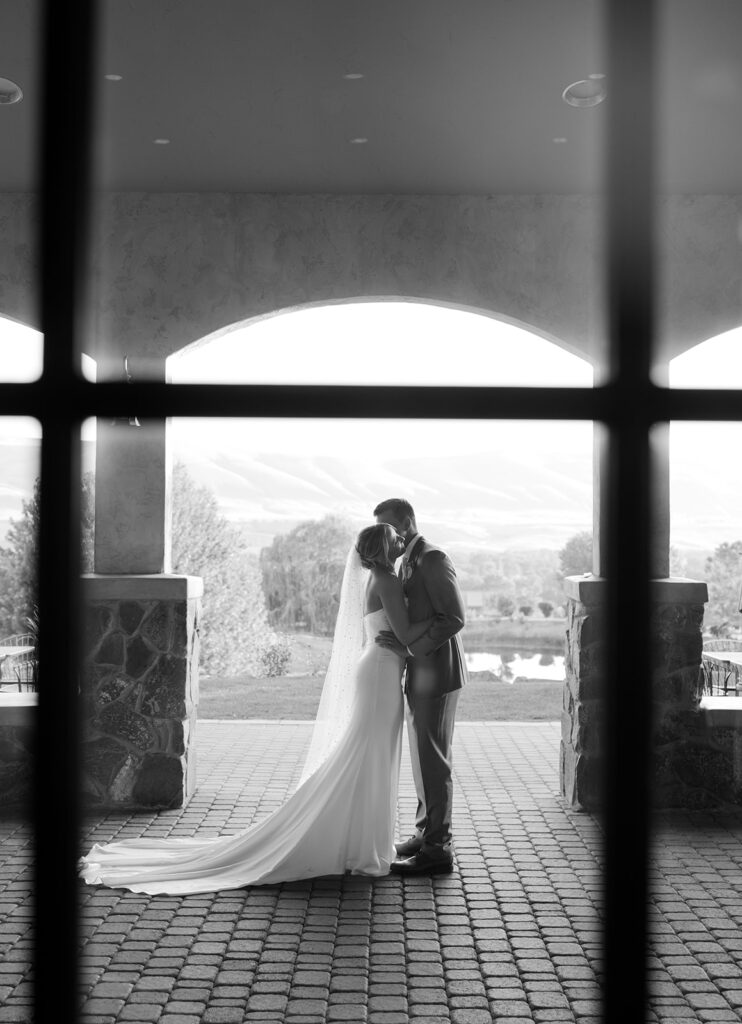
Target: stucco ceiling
(457,96)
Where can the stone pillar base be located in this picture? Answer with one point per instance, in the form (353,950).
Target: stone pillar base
(680,753)
(17,750)
(139,690)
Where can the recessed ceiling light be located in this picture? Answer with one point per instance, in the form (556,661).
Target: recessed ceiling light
(113,78)
(9,91)
(588,92)
(161,142)
(559,140)
(358,142)
(352,76)
(596,78)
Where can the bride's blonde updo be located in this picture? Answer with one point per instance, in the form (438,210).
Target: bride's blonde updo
(374,545)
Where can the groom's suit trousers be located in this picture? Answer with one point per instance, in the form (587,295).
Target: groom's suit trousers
(430,722)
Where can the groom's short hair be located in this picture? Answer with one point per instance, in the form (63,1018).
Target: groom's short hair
(398,507)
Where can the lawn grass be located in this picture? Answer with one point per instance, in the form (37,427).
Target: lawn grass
(297,697)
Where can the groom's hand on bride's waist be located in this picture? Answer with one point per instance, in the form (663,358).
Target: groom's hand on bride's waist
(387,639)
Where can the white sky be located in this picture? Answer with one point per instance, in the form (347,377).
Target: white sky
(381,343)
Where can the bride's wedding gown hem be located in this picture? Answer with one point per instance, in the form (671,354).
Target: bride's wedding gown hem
(340,818)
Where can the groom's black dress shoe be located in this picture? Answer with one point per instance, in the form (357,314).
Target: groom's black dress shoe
(423,863)
(408,847)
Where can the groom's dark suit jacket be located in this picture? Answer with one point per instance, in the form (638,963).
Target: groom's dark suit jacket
(430,586)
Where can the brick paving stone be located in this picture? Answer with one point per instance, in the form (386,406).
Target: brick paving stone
(707,1001)
(111,990)
(103,1006)
(267,1003)
(308,1005)
(158,997)
(471,1015)
(185,1006)
(309,992)
(141,1013)
(223,1015)
(515,926)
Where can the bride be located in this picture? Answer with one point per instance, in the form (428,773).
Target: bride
(341,817)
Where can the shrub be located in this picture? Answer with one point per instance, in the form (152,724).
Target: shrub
(273,654)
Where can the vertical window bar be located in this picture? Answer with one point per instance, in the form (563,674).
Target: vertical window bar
(65,141)
(628,154)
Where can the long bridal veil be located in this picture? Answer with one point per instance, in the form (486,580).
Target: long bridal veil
(339,690)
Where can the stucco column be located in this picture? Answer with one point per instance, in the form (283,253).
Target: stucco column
(132,493)
(132,497)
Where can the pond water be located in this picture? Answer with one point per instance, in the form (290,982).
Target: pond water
(513,666)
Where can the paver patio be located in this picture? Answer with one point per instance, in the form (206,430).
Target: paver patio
(513,935)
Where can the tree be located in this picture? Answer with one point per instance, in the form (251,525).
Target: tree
(234,624)
(18,567)
(576,557)
(724,578)
(505,605)
(19,560)
(302,573)
(234,629)
(546,608)
(526,610)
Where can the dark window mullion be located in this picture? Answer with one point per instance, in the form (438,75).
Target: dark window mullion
(65,140)
(630,202)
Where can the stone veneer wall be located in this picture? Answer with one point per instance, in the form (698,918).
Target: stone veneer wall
(692,767)
(17,745)
(139,690)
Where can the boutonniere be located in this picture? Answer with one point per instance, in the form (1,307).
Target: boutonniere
(408,570)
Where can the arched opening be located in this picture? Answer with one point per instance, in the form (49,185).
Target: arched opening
(706,485)
(347,342)
(504,499)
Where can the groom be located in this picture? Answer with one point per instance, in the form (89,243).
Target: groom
(435,673)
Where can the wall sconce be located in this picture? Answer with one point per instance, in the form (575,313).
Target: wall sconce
(126,421)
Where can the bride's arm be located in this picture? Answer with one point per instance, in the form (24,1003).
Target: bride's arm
(389,589)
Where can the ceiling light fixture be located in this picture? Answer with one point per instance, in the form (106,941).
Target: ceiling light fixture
(10,92)
(161,142)
(559,140)
(353,76)
(588,92)
(113,78)
(360,141)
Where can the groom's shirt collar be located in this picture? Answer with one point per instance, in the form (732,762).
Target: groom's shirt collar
(410,545)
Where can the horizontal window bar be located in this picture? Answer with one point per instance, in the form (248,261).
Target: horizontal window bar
(607,403)
(610,403)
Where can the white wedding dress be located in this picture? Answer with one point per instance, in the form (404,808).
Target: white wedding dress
(340,818)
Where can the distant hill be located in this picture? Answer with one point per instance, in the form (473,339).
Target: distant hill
(460,500)
(508,499)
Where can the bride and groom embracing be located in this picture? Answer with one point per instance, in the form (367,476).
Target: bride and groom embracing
(396,651)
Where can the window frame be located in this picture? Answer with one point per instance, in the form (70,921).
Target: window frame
(628,403)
